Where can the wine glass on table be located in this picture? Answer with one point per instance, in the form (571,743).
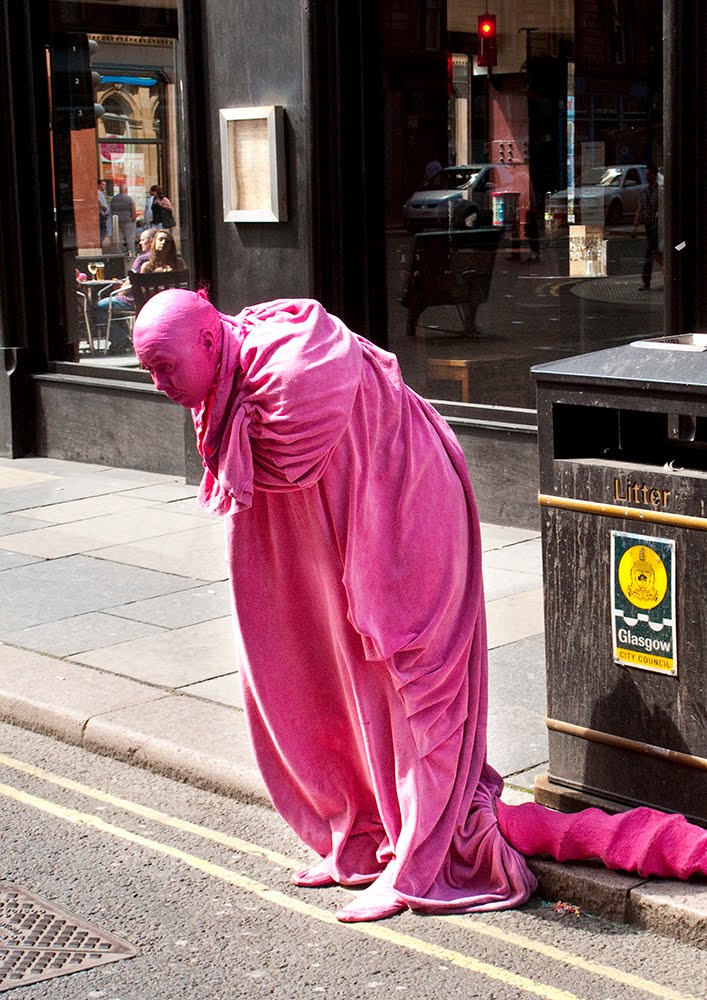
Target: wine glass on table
(93,268)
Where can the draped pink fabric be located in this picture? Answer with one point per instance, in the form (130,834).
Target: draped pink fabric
(640,840)
(355,560)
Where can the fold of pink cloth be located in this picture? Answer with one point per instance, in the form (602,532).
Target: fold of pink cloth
(354,554)
(641,840)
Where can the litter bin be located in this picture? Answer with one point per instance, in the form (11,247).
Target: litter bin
(505,210)
(623,491)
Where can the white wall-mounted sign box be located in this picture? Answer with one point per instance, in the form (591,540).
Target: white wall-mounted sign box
(253,164)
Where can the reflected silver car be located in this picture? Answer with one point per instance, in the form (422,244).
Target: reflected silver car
(603,196)
(450,199)
(461,197)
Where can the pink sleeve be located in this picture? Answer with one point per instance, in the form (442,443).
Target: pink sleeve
(298,375)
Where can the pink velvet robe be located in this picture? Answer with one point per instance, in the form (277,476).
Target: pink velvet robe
(355,560)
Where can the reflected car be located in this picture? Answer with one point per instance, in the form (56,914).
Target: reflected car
(603,196)
(461,197)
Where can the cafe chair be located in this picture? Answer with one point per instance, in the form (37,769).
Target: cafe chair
(82,307)
(146,285)
(450,268)
(128,316)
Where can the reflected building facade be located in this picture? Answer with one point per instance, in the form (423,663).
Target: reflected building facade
(476,213)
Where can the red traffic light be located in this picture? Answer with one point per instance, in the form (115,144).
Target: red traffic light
(486,53)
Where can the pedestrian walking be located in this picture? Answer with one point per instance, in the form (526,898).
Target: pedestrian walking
(648,214)
(123,206)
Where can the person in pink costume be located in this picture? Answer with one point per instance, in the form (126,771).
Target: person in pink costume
(354,555)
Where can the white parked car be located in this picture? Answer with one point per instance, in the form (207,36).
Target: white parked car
(603,196)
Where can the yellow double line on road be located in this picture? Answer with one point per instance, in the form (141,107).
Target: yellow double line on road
(377,931)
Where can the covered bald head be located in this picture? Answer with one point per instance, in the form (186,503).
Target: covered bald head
(177,337)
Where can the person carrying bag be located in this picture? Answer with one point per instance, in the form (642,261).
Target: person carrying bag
(161,208)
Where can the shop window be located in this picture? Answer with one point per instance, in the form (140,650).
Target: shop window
(551,245)
(116,136)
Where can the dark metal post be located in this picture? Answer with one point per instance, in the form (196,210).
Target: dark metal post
(346,92)
(685,136)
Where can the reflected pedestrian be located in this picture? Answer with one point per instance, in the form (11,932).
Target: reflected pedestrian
(123,206)
(161,209)
(648,214)
(105,220)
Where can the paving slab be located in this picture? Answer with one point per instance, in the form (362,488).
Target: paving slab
(47,590)
(225,690)
(80,510)
(172,658)
(517,734)
(519,557)
(52,466)
(676,909)
(14,523)
(99,532)
(189,506)
(175,490)
(185,738)
(53,491)
(12,477)
(11,560)
(515,617)
(495,536)
(524,781)
(186,607)
(500,583)
(125,479)
(58,698)
(199,554)
(69,636)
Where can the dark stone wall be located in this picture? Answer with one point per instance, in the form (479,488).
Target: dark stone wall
(256,54)
(504,473)
(81,420)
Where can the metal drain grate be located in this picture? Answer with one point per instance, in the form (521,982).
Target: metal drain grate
(39,940)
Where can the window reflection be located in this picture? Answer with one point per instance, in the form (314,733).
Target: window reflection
(117,164)
(540,235)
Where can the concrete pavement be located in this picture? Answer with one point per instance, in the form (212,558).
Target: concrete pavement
(115,635)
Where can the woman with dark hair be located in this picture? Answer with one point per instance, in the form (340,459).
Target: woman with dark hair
(163,255)
(121,301)
(160,209)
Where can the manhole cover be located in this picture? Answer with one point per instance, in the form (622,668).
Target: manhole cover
(39,940)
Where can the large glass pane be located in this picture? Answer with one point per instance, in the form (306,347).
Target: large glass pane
(118,163)
(524,221)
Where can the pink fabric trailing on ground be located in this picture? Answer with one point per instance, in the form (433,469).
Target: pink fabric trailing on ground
(355,559)
(641,840)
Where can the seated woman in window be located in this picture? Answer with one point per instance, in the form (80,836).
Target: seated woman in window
(163,255)
(121,301)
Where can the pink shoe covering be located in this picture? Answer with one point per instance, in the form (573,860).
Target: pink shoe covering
(641,840)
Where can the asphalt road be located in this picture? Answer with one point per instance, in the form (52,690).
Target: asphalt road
(199,884)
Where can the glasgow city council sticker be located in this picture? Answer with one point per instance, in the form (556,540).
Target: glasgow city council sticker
(643,602)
